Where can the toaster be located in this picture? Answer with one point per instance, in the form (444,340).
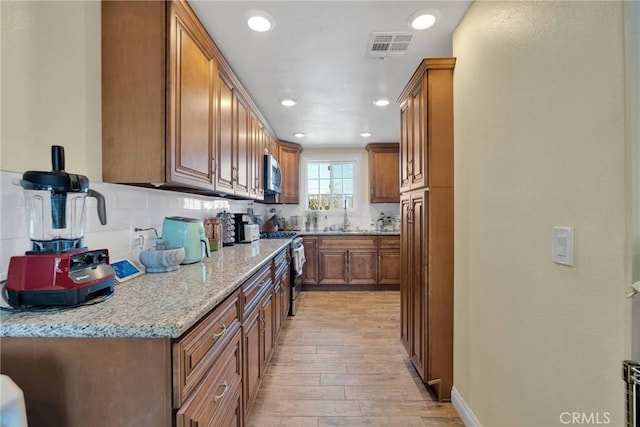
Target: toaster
(251,232)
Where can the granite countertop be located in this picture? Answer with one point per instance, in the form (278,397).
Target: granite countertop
(349,233)
(163,305)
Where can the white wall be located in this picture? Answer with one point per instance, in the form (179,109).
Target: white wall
(632,90)
(51,85)
(539,142)
(364,212)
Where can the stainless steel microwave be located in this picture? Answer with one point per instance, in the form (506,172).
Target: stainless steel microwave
(272,175)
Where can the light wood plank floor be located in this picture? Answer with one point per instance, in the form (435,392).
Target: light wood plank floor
(340,363)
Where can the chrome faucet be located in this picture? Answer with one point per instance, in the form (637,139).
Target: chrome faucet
(345,223)
(380,222)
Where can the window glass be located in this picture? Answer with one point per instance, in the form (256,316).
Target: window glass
(330,185)
(325,170)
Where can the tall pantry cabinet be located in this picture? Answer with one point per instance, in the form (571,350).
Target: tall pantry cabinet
(426,201)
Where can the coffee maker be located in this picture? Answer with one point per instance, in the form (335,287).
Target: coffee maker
(246,231)
(58,270)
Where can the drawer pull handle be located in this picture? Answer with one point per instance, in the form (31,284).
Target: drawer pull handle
(222,329)
(221,395)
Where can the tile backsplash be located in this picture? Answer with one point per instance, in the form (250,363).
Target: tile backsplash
(127,208)
(131,207)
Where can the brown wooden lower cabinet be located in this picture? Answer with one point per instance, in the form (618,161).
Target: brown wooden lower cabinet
(214,398)
(362,266)
(310,276)
(366,260)
(208,376)
(332,267)
(263,303)
(268,327)
(252,331)
(426,292)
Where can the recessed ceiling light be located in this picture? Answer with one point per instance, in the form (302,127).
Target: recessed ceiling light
(299,135)
(260,21)
(381,102)
(288,102)
(423,19)
(365,134)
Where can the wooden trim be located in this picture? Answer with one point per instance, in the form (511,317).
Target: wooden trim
(426,64)
(291,145)
(391,147)
(363,287)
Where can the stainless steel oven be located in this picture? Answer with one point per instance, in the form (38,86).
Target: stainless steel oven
(296,250)
(297,270)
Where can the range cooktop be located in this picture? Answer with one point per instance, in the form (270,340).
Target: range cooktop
(278,234)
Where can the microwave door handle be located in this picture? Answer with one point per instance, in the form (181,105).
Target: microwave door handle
(279,178)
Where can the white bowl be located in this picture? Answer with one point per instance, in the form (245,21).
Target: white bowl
(162,261)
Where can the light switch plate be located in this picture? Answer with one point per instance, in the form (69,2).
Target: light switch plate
(562,247)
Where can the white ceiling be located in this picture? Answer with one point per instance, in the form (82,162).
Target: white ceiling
(316,53)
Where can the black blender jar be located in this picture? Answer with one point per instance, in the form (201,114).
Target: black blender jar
(58,270)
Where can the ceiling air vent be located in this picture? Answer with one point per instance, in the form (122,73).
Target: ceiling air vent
(388,45)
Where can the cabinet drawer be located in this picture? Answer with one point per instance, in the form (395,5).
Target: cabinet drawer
(197,350)
(220,391)
(389,242)
(281,260)
(348,242)
(252,288)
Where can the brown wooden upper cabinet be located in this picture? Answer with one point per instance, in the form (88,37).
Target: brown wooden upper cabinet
(426,127)
(232,140)
(289,159)
(159,68)
(256,152)
(384,178)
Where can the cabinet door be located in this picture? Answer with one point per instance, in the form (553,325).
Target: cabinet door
(286,294)
(256,178)
(384,177)
(234,416)
(252,331)
(269,327)
(218,392)
(311,266)
(362,267)
(406,286)
(242,157)
(332,267)
(289,159)
(406,146)
(134,75)
(191,108)
(225,135)
(418,161)
(285,299)
(419,232)
(278,307)
(389,267)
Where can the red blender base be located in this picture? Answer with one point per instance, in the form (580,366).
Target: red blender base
(59,279)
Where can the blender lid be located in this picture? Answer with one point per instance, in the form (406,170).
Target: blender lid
(56,180)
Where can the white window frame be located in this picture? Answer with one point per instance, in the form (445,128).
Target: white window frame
(331,159)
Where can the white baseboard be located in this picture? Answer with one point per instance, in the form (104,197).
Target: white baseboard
(465,412)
